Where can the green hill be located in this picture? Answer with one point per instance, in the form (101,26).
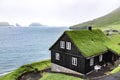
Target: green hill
(37,67)
(110,20)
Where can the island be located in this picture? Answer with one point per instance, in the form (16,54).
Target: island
(4,24)
(35,24)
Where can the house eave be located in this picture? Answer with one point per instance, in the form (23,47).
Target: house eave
(114,52)
(96,55)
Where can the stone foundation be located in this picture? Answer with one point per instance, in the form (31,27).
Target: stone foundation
(58,68)
(117,62)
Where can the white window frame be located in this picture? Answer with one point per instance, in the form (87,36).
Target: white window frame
(68,45)
(91,61)
(100,58)
(57,56)
(74,61)
(62,44)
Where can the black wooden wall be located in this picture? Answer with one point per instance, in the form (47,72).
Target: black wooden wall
(66,61)
(66,55)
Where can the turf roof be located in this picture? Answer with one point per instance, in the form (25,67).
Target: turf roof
(114,44)
(89,43)
(93,43)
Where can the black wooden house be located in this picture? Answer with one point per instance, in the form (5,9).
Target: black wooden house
(81,50)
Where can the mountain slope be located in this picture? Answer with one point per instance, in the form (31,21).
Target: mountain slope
(112,18)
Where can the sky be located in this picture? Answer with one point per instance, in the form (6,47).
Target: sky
(54,12)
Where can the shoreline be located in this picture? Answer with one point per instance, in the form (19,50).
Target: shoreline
(14,74)
(2,74)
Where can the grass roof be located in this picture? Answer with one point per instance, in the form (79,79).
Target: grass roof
(114,44)
(92,43)
(89,43)
(95,42)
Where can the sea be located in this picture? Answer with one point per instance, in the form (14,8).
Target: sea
(24,45)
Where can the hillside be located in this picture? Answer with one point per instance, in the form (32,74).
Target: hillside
(111,19)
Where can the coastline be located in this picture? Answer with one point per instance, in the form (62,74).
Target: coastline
(14,74)
(2,74)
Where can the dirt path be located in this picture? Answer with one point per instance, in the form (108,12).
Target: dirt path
(100,75)
(34,75)
(30,76)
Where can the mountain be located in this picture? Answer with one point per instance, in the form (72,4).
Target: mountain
(111,19)
(35,24)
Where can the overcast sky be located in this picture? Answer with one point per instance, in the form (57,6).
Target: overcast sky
(54,12)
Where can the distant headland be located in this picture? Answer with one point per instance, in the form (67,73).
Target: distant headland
(5,24)
(35,24)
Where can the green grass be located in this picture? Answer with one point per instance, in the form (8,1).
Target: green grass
(110,20)
(114,45)
(39,66)
(113,27)
(116,70)
(26,68)
(58,76)
(90,43)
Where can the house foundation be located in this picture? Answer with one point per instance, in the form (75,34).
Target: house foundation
(58,68)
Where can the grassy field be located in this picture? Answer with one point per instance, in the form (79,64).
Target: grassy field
(26,68)
(58,76)
(117,27)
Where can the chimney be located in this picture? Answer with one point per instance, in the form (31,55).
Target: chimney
(90,28)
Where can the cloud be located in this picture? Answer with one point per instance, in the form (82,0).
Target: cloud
(55,12)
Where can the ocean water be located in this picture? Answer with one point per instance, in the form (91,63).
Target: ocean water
(19,46)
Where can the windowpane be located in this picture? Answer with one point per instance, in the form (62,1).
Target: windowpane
(74,61)
(68,45)
(91,61)
(100,58)
(57,56)
(62,44)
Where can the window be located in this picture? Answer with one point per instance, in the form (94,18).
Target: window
(62,44)
(68,45)
(74,61)
(91,61)
(100,58)
(57,56)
